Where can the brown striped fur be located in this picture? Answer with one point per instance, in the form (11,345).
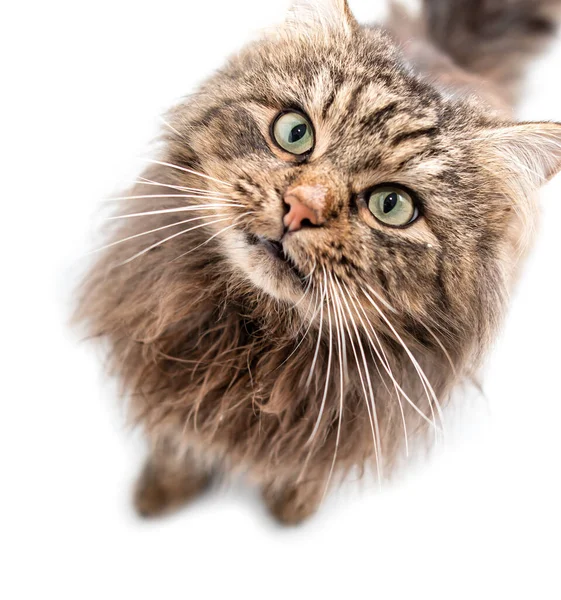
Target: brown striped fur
(214,343)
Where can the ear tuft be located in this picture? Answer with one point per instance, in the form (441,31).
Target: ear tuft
(532,150)
(333,14)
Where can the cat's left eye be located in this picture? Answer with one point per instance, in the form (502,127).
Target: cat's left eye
(293,132)
(392,205)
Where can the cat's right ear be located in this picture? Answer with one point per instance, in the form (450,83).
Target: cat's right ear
(531,151)
(334,14)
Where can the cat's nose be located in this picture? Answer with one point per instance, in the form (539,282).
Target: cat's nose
(306,205)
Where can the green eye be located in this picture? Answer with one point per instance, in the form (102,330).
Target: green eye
(392,206)
(293,132)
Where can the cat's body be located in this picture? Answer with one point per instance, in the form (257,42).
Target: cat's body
(291,335)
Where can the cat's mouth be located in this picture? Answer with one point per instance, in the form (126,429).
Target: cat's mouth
(276,252)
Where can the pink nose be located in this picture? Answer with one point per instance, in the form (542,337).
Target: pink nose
(306,206)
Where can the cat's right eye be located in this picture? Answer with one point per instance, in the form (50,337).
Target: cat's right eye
(293,132)
(392,206)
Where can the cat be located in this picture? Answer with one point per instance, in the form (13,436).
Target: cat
(323,248)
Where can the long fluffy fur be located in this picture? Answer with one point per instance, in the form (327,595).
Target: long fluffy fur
(222,358)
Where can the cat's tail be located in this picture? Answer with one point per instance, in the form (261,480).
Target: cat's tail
(491,38)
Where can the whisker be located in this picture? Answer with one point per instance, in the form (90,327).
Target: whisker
(180,188)
(424,380)
(387,304)
(311,272)
(328,372)
(363,385)
(174,210)
(382,358)
(310,323)
(184,169)
(193,196)
(309,379)
(132,237)
(343,371)
(384,361)
(371,407)
(425,326)
(382,300)
(338,306)
(215,235)
(160,242)
(322,294)
(170,127)
(441,345)
(305,290)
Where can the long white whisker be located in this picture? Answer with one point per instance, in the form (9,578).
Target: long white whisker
(132,237)
(333,279)
(328,373)
(215,235)
(386,303)
(343,372)
(171,196)
(321,297)
(173,210)
(309,276)
(311,272)
(387,367)
(314,360)
(180,188)
(441,345)
(381,357)
(160,242)
(378,350)
(315,296)
(170,127)
(363,385)
(424,380)
(372,412)
(184,169)
(384,362)
(382,300)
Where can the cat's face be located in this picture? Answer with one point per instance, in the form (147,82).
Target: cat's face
(359,177)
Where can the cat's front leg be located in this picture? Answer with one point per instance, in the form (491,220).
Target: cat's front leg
(293,502)
(168,480)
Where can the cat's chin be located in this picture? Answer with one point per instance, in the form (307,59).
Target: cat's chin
(264,263)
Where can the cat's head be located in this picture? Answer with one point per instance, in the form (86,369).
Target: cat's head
(384,191)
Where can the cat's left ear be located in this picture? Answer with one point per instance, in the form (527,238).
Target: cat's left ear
(531,150)
(335,14)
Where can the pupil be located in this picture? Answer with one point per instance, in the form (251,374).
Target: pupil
(297,133)
(390,202)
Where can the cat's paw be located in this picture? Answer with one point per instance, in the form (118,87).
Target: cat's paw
(293,504)
(158,492)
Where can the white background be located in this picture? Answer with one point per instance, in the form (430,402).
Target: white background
(83,84)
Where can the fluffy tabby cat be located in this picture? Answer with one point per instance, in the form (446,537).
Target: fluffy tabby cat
(324,246)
